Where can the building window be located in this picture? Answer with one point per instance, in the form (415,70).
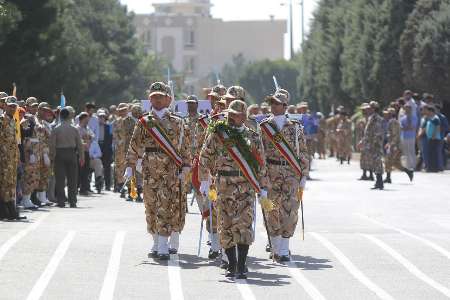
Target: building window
(189,64)
(189,38)
(147,39)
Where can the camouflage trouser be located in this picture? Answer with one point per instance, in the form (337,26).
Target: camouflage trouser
(32,178)
(44,178)
(344,149)
(235,209)
(393,159)
(8,185)
(320,144)
(376,162)
(310,145)
(282,221)
(165,211)
(364,160)
(119,166)
(332,142)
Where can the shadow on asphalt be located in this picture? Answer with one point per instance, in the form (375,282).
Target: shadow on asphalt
(310,263)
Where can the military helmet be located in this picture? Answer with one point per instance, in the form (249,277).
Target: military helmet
(237,107)
(236,92)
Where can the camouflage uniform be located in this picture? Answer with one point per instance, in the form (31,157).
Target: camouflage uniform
(321,137)
(123,127)
(235,193)
(360,125)
(332,123)
(373,143)
(393,154)
(283,181)
(9,158)
(344,137)
(165,208)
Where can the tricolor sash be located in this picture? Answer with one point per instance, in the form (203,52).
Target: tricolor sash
(282,146)
(203,121)
(161,138)
(248,172)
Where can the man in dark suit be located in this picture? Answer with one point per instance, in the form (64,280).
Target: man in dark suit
(105,142)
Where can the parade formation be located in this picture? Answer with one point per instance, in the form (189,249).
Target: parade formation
(233,161)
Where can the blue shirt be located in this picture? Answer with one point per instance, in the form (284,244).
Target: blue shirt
(408,124)
(432,125)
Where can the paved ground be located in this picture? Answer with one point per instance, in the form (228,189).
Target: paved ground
(360,244)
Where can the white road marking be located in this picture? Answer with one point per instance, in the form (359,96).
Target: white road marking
(109,283)
(421,239)
(18,236)
(175,287)
(352,268)
(408,265)
(40,286)
(245,290)
(312,291)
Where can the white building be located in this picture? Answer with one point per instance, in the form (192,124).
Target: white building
(196,44)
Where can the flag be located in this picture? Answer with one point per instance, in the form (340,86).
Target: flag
(63,101)
(18,133)
(14,93)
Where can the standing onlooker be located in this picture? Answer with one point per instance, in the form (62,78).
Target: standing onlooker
(87,136)
(408,125)
(66,150)
(442,160)
(408,98)
(433,133)
(105,142)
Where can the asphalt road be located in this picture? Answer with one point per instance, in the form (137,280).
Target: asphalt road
(359,244)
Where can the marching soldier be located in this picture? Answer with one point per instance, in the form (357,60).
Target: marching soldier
(344,138)
(129,123)
(287,169)
(233,152)
(121,141)
(9,158)
(364,160)
(321,136)
(161,140)
(393,152)
(372,142)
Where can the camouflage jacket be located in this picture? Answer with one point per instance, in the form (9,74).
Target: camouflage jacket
(290,134)
(143,145)
(197,133)
(373,135)
(215,157)
(393,134)
(9,151)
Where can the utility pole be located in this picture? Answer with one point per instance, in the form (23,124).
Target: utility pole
(302,3)
(291,28)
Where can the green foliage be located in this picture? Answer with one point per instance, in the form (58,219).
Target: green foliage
(85,47)
(235,138)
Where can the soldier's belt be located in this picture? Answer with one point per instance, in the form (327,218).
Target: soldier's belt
(233,173)
(277,162)
(154,150)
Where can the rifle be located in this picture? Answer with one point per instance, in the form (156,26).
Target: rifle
(277,86)
(300,196)
(200,239)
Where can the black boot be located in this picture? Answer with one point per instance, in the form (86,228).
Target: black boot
(388,178)
(232,262)
(410,173)
(242,258)
(364,175)
(139,192)
(121,190)
(13,213)
(379,183)
(371,176)
(34,199)
(3,211)
(348,160)
(99,184)
(342,161)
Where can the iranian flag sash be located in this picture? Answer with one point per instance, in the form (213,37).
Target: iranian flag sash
(203,121)
(282,146)
(237,156)
(161,138)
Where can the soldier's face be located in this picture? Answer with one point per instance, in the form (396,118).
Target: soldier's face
(160,101)
(236,119)
(192,108)
(10,110)
(277,108)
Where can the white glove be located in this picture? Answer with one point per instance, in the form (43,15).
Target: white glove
(139,166)
(204,187)
(32,159)
(303,182)
(128,173)
(262,194)
(46,160)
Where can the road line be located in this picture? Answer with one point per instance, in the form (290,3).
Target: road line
(421,239)
(352,268)
(40,286)
(18,236)
(312,291)
(109,283)
(408,265)
(175,287)
(245,290)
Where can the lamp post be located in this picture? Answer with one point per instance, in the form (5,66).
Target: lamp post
(291,26)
